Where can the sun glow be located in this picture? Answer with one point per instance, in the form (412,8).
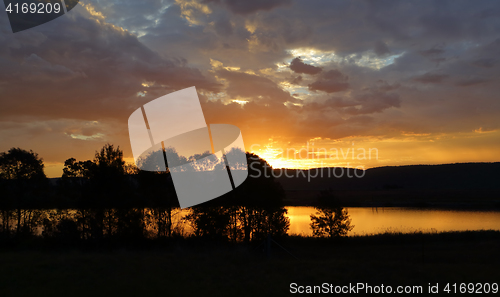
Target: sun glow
(241,102)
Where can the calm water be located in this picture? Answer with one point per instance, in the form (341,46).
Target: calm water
(367,220)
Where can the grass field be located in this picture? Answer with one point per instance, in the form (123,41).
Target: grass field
(198,268)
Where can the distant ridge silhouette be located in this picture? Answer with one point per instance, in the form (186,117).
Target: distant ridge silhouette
(448,185)
(445,176)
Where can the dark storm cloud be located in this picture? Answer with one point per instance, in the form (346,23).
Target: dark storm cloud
(298,66)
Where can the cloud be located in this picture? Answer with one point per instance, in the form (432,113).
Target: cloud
(434,54)
(244,7)
(94,72)
(339,103)
(470,82)
(431,78)
(484,62)
(435,51)
(43,71)
(298,66)
(381,48)
(253,86)
(374,103)
(296,80)
(223,27)
(330,82)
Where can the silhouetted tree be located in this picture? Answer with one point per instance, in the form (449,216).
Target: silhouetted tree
(157,190)
(19,164)
(330,219)
(67,230)
(107,205)
(81,169)
(250,212)
(262,210)
(210,221)
(21,180)
(74,183)
(101,179)
(109,161)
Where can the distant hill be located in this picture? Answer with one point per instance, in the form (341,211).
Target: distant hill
(460,185)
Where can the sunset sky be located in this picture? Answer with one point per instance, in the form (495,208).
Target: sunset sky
(419,81)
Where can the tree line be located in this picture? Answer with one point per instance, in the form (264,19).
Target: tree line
(106,198)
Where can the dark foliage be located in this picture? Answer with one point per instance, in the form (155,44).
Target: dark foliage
(331,219)
(104,198)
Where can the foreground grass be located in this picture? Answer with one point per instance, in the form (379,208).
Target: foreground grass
(199,268)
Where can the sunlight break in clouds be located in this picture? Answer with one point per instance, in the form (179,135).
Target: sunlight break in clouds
(318,58)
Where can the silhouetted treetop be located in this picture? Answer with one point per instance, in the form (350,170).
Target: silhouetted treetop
(331,222)
(73,168)
(21,164)
(110,160)
(107,162)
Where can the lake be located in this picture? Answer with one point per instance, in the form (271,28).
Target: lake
(367,220)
